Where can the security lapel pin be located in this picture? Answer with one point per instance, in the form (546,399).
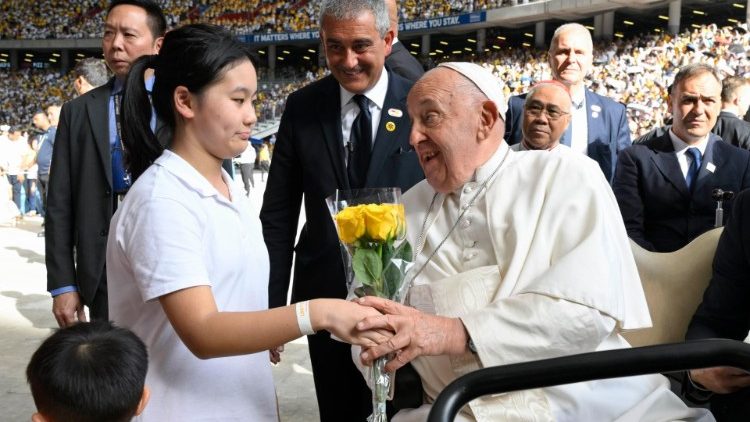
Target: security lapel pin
(394,112)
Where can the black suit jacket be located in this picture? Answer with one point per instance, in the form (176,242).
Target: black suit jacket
(308,160)
(732,129)
(725,310)
(401,62)
(79,201)
(607,128)
(659,211)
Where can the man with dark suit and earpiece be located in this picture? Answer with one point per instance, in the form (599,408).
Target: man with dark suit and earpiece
(664,186)
(87,178)
(348,130)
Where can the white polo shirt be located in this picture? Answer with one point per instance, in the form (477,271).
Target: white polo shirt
(175,231)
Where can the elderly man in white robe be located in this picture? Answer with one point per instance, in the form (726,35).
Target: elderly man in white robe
(546,116)
(518,256)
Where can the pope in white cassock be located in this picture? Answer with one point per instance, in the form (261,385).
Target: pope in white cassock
(518,256)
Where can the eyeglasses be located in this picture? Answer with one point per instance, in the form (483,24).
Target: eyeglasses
(552,112)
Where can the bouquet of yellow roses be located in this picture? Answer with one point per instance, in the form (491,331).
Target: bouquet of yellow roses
(371,225)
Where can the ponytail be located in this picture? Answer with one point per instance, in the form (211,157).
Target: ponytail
(142,146)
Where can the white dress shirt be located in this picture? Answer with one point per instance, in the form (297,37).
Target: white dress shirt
(350,109)
(680,149)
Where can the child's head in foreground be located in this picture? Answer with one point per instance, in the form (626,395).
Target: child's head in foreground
(89,372)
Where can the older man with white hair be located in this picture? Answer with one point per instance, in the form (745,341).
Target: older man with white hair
(518,256)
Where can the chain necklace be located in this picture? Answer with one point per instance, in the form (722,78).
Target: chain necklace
(423,232)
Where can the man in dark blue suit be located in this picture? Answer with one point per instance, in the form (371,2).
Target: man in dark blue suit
(598,126)
(664,185)
(725,313)
(323,129)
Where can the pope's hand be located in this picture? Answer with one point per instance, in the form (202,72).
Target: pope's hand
(416,333)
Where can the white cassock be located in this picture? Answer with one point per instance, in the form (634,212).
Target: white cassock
(538,266)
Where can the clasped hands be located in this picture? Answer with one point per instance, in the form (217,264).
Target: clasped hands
(407,333)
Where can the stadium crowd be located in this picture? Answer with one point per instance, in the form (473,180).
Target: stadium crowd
(570,110)
(634,71)
(81,18)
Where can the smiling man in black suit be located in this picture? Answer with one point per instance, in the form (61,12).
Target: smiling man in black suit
(348,130)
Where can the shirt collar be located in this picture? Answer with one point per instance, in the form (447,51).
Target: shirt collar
(680,146)
(579,101)
(376,94)
(730,112)
(118,85)
(182,170)
(485,170)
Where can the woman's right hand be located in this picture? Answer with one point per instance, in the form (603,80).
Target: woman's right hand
(340,318)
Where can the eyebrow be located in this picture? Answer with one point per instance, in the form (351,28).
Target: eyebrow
(354,41)
(691,96)
(121,27)
(244,90)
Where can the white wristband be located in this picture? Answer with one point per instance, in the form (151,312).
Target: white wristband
(303,318)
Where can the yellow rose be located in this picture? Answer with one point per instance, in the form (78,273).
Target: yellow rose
(381,221)
(351,224)
(401,220)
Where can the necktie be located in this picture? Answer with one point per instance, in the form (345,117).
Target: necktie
(695,165)
(360,145)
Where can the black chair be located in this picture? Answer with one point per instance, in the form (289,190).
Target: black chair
(587,367)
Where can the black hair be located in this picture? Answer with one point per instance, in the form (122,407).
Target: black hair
(157,23)
(194,56)
(88,372)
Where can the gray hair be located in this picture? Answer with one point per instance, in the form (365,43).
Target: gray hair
(694,69)
(573,26)
(94,71)
(348,9)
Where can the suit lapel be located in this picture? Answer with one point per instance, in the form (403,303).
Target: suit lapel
(328,106)
(666,161)
(97,110)
(593,117)
(393,121)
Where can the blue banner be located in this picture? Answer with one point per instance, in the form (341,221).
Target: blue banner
(417,25)
(442,22)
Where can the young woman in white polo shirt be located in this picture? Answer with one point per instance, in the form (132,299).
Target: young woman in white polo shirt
(186,263)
